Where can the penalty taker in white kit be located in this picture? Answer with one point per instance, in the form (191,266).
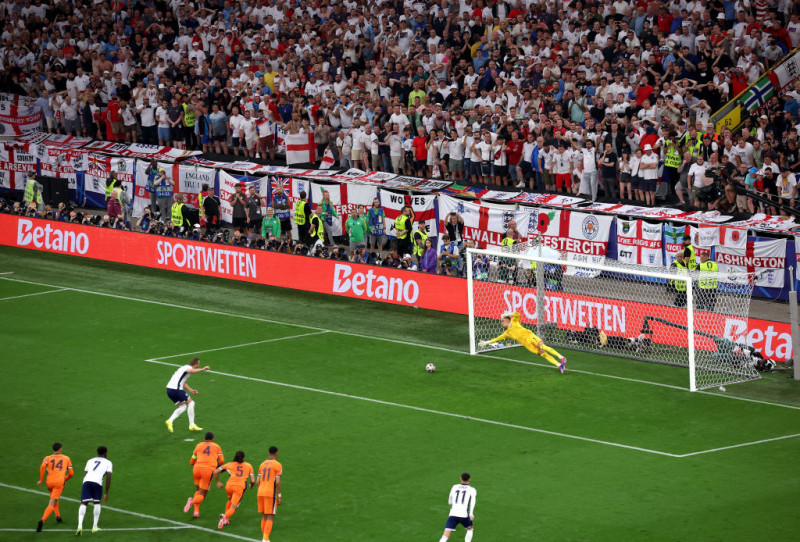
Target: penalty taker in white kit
(527,338)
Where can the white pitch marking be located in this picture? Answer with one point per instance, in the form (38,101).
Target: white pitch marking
(244,344)
(33,294)
(396,341)
(175,528)
(429,411)
(7,273)
(137,514)
(742,445)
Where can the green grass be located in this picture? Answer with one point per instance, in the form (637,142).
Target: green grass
(370,443)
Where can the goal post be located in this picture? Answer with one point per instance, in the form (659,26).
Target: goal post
(654,314)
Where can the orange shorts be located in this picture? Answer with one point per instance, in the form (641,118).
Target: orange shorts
(235,495)
(267,504)
(55,490)
(202,476)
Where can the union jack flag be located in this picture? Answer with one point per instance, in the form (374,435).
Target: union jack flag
(98,162)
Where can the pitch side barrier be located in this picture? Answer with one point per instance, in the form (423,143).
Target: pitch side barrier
(381,284)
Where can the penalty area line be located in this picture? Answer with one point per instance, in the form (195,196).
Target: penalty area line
(276,339)
(430,411)
(170,528)
(136,514)
(742,445)
(395,341)
(33,294)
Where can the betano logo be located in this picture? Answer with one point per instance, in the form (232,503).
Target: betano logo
(373,286)
(51,238)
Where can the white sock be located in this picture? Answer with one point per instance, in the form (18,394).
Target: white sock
(178,411)
(191,413)
(443,539)
(96,515)
(81,514)
(469,536)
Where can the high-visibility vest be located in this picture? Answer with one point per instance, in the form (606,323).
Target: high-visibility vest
(708,275)
(672,156)
(319,231)
(419,249)
(680,286)
(507,242)
(177,214)
(300,212)
(31,193)
(109,187)
(400,225)
(200,198)
(188,116)
(691,263)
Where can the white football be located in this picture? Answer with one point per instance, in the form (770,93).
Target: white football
(431,368)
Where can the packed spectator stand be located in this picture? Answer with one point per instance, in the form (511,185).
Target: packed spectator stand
(607,101)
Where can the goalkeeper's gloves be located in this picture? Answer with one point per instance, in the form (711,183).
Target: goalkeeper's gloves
(483,344)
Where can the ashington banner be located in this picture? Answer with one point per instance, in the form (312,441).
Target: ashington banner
(639,242)
(767,259)
(436,292)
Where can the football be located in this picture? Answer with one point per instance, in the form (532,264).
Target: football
(431,368)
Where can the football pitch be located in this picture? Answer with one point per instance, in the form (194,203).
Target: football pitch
(370,443)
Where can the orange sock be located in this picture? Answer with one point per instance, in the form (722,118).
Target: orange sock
(263,524)
(229,512)
(267,528)
(55,510)
(47,512)
(227,506)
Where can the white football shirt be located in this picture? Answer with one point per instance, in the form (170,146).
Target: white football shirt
(179,378)
(462,500)
(96,469)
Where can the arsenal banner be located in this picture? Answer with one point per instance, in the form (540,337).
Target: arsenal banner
(639,242)
(345,199)
(484,223)
(15,165)
(423,209)
(767,259)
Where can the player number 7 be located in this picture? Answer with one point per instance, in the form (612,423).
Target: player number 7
(96,464)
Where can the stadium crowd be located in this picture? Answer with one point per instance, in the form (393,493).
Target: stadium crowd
(609,98)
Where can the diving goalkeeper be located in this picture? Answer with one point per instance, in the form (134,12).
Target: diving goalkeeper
(527,338)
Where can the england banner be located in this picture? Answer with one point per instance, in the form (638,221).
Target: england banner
(731,236)
(16,163)
(423,209)
(484,223)
(702,240)
(639,242)
(767,259)
(345,199)
(583,237)
(300,149)
(61,162)
(19,119)
(191,180)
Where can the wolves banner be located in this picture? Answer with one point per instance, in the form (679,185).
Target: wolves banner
(767,259)
(639,242)
(423,209)
(345,199)
(484,223)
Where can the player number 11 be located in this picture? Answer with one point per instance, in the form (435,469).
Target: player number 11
(463,496)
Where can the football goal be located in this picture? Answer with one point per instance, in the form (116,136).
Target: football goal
(654,314)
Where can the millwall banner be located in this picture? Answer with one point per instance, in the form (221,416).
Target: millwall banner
(583,237)
(191,180)
(423,209)
(767,259)
(484,223)
(639,242)
(345,199)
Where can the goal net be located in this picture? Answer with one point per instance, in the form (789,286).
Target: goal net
(653,314)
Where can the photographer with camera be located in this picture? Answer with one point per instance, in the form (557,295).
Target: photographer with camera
(210,205)
(239,204)
(254,214)
(159,185)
